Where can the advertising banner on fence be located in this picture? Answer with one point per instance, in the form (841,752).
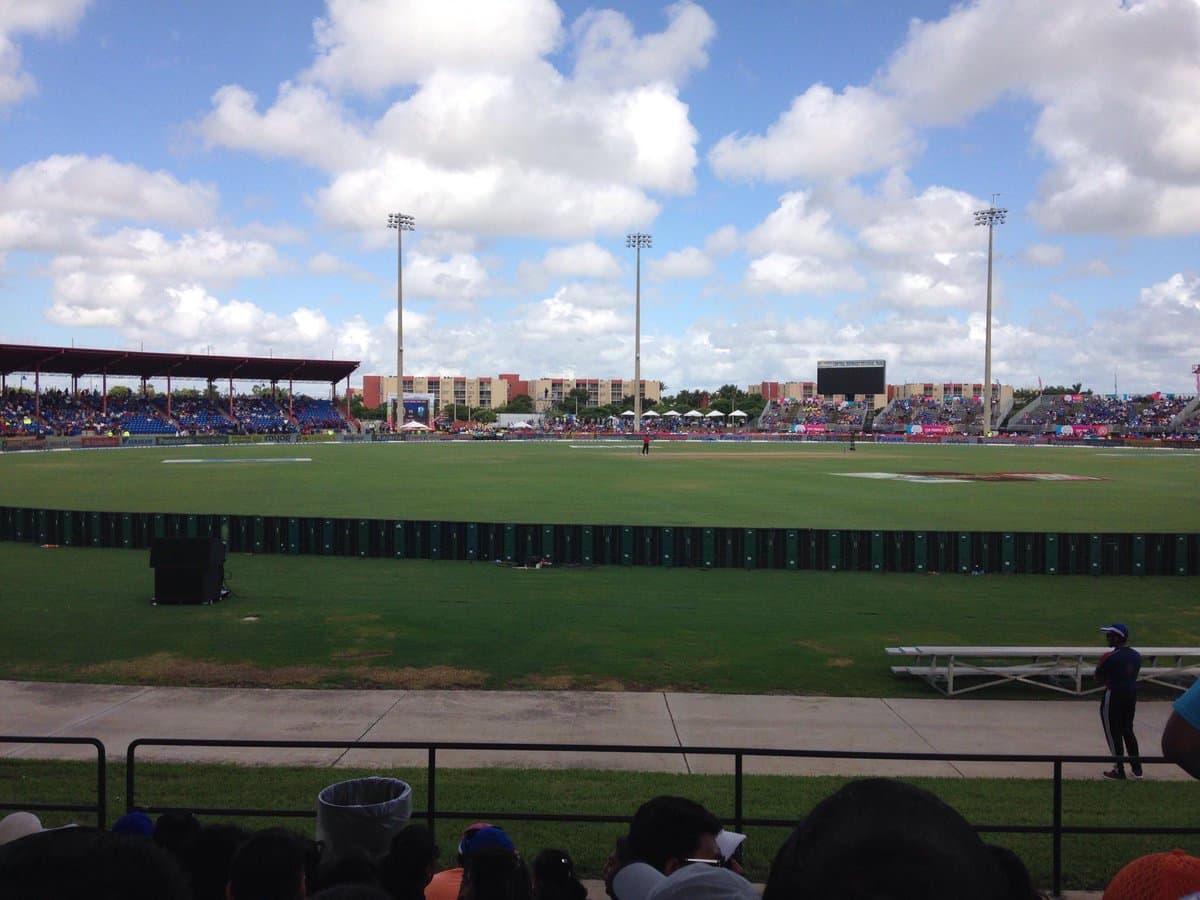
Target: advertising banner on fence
(809,429)
(930,429)
(181,440)
(100,441)
(1081,430)
(22,443)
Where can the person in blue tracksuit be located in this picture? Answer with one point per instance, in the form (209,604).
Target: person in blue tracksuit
(1118,672)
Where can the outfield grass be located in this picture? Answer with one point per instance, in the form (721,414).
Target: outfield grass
(1089,860)
(85,614)
(724,484)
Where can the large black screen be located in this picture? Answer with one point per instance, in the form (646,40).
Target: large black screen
(860,376)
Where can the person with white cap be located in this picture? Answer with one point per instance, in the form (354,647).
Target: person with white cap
(676,848)
(693,881)
(1118,672)
(17,825)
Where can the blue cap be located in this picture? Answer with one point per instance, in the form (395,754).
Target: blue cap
(488,838)
(1118,629)
(134,823)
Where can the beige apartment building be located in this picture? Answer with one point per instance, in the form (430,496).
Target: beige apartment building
(479,393)
(490,393)
(548,392)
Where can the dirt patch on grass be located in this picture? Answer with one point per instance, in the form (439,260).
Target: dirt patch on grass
(166,668)
(839,662)
(362,654)
(549,682)
(819,648)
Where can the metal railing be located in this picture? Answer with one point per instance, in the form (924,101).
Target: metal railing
(99,807)
(1056,829)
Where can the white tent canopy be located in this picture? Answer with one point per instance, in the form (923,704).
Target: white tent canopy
(414,425)
(628,412)
(693,414)
(738,414)
(650,414)
(715,414)
(670,413)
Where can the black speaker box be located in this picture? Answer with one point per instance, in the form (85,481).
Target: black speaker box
(187,570)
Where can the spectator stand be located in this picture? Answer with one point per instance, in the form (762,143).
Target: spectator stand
(139,413)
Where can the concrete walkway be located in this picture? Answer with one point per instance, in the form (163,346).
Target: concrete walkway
(118,714)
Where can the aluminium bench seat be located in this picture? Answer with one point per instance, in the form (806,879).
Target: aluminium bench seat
(1067,670)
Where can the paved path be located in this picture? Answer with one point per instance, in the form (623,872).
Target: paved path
(118,714)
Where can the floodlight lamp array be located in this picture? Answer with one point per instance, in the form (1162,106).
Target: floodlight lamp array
(637,239)
(991,216)
(400,222)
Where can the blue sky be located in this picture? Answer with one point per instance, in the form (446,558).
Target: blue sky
(218,175)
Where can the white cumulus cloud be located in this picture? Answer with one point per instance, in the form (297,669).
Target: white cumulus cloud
(36,17)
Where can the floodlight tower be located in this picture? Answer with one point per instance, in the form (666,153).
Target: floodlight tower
(990,217)
(401,223)
(1196,372)
(637,240)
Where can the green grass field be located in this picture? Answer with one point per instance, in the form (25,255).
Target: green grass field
(733,484)
(85,614)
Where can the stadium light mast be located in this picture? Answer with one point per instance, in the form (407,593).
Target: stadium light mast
(991,217)
(401,223)
(637,240)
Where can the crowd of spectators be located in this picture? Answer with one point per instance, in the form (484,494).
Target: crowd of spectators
(1146,414)
(958,412)
(261,415)
(59,412)
(317,415)
(785,414)
(872,838)
(197,415)
(18,415)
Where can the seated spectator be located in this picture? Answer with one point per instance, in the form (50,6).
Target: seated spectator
(348,868)
(273,864)
(410,863)
(86,862)
(670,840)
(494,871)
(639,881)
(669,832)
(351,892)
(879,839)
(18,825)
(1157,876)
(446,885)
(134,823)
(554,877)
(172,830)
(1181,736)
(206,857)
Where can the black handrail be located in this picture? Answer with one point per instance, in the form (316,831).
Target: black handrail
(431,813)
(100,807)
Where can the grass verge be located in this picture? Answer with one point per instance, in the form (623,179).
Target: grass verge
(85,615)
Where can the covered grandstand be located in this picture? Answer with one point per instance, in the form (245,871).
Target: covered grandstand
(90,410)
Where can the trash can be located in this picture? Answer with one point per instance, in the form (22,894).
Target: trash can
(362,815)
